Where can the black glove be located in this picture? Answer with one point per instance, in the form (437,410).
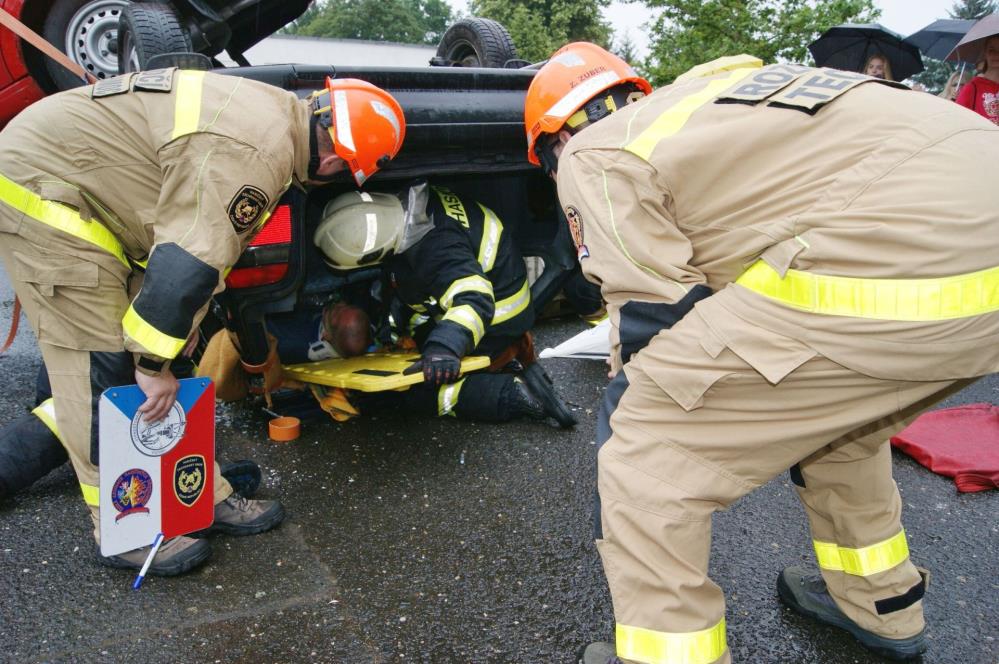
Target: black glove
(440,365)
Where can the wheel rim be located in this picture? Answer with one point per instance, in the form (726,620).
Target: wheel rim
(463,54)
(92,37)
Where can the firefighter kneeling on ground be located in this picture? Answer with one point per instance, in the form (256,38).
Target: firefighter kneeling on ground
(796,262)
(461,288)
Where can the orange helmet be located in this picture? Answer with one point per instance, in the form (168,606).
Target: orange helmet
(365,122)
(574,75)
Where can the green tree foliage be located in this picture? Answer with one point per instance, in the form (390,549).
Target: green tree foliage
(689,32)
(404,21)
(539,27)
(972,9)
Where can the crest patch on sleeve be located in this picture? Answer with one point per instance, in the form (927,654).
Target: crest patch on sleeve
(246,207)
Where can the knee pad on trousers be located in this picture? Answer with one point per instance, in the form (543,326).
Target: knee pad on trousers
(612,397)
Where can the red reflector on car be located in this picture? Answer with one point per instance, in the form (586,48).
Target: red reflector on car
(277,230)
(248,277)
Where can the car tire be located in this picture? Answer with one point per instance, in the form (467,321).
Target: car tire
(86,30)
(148,30)
(475,42)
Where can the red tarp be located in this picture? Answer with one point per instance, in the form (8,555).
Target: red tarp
(961,442)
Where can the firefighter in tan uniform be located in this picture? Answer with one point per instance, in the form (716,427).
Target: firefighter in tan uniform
(123,204)
(796,263)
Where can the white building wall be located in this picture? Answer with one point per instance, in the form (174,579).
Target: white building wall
(292,49)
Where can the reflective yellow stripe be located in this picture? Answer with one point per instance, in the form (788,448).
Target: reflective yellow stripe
(45,411)
(447,398)
(863,562)
(60,217)
(471,284)
(468,319)
(723,64)
(149,337)
(492,229)
(884,299)
(510,307)
(673,119)
(91,494)
(652,647)
(187,109)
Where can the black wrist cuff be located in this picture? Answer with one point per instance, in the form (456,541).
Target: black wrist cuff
(150,365)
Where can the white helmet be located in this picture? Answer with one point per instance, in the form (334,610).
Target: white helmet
(360,229)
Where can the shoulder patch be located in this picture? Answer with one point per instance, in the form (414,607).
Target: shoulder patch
(155,80)
(111,86)
(576,230)
(246,207)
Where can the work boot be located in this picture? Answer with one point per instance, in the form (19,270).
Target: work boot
(523,403)
(600,652)
(176,556)
(543,390)
(806,593)
(243,475)
(240,516)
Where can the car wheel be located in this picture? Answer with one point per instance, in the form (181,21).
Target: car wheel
(475,42)
(87,31)
(148,30)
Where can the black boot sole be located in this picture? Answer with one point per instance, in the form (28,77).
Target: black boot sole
(896,649)
(543,389)
(267,521)
(192,557)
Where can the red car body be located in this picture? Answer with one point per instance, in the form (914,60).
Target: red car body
(17,87)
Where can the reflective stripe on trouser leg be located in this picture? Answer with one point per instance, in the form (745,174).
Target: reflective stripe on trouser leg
(45,411)
(646,645)
(447,398)
(853,506)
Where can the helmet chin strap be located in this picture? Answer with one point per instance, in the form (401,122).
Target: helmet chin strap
(314,159)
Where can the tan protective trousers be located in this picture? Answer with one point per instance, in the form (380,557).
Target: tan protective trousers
(74,296)
(666,469)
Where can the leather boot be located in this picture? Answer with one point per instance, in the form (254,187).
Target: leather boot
(806,593)
(240,516)
(543,390)
(176,556)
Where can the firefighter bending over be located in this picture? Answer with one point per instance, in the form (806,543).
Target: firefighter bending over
(123,204)
(796,263)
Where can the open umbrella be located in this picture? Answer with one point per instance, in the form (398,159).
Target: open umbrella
(849,46)
(973,43)
(940,37)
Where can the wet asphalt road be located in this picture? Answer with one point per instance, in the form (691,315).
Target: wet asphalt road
(441,541)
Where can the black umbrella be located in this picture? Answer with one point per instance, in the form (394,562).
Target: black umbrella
(940,37)
(849,46)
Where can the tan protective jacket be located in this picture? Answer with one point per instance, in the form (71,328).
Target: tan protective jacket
(812,175)
(181,168)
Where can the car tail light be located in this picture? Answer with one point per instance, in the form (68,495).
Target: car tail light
(277,230)
(267,265)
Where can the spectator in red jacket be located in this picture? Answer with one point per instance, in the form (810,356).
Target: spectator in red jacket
(981,94)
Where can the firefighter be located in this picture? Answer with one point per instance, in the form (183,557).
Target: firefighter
(460,288)
(123,204)
(796,262)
